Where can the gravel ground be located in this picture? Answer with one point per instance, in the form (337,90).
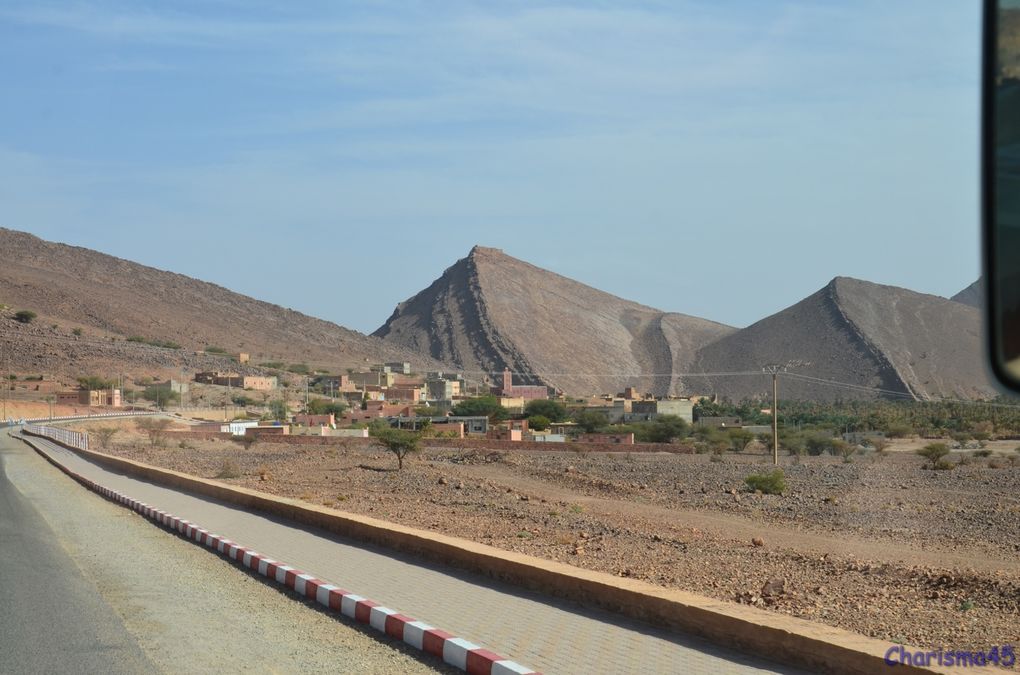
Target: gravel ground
(877,546)
(170,593)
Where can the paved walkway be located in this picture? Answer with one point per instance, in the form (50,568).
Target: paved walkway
(542,633)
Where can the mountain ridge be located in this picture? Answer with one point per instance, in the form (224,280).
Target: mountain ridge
(110,297)
(518,304)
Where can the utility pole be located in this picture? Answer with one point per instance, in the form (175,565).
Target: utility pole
(774,370)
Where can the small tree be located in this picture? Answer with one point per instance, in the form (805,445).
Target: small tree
(934,453)
(155,427)
(538,422)
(739,438)
(24,316)
(847,450)
(105,435)
(162,396)
(667,428)
(880,444)
(400,442)
(591,421)
(554,411)
(278,409)
(324,406)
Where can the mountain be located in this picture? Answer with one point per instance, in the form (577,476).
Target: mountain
(108,299)
(489,311)
(973,295)
(866,335)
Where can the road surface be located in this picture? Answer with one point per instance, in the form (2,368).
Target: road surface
(87,586)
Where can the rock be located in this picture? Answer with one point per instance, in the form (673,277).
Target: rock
(736,498)
(459,486)
(570,469)
(733,491)
(442,480)
(579,550)
(524,498)
(757,541)
(774,588)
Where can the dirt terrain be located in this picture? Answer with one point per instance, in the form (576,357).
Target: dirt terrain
(878,546)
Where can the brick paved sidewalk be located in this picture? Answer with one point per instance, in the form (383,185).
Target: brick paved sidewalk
(546,634)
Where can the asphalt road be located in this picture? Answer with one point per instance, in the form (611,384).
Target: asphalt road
(53,619)
(87,586)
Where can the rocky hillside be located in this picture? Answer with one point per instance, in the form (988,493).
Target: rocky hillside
(972,295)
(863,334)
(490,310)
(107,299)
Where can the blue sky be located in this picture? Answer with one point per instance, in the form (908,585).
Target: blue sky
(718,159)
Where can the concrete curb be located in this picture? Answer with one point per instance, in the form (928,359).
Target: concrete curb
(454,651)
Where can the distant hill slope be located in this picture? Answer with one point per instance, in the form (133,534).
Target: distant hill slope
(863,334)
(490,310)
(107,297)
(972,295)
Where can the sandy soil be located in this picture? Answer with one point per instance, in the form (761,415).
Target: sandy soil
(879,545)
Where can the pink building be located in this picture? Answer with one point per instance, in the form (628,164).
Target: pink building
(316,420)
(526,391)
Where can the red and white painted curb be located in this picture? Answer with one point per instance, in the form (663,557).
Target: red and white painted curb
(455,651)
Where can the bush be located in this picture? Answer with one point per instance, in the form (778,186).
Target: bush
(773,483)
(483,405)
(666,428)
(76,332)
(94,382)
(211,349)
(551,410)
(898,431)
(935,454)
(299,368)
(24,316)
(164,344)
(538,422)
(161,395)
(105,435)
(591,421)
(229,469)
(324,406)
(983,453)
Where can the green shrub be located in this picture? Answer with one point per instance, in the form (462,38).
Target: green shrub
(935,454)
(211,349)
(538,422)
(25,316)
(773,483)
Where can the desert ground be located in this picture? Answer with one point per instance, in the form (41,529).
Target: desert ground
(878,545)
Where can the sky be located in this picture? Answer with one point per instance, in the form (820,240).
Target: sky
(723,160)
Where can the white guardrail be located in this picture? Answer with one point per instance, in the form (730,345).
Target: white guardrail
(74,439)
